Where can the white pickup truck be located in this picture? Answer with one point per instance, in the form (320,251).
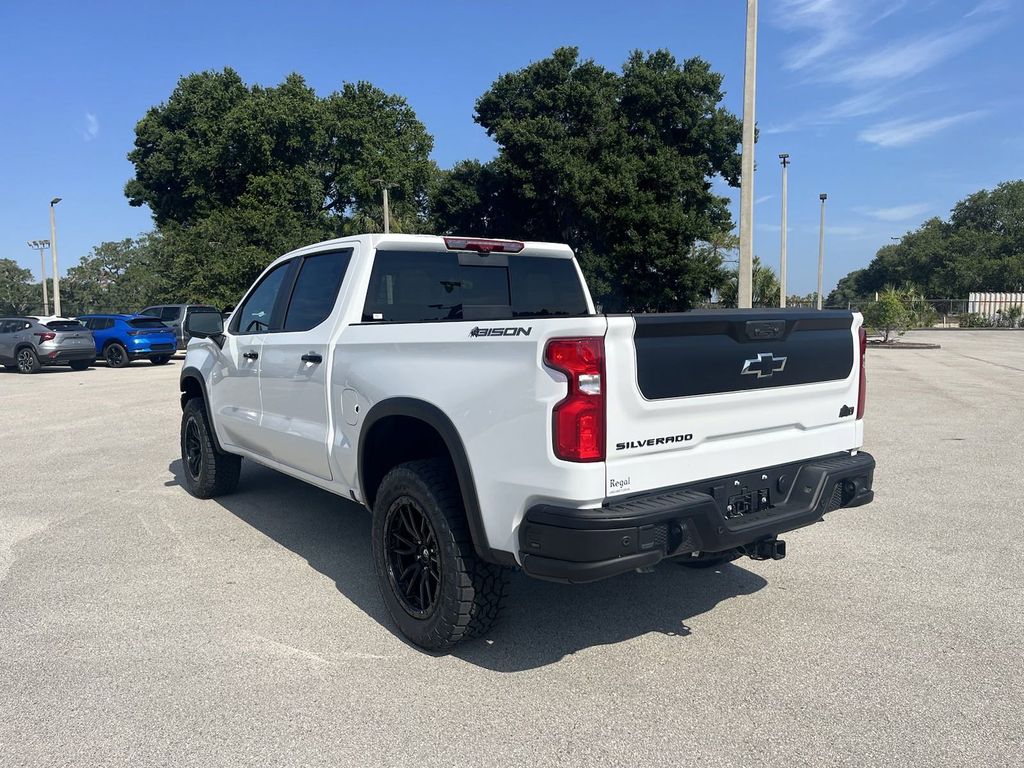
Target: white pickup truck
(467,392)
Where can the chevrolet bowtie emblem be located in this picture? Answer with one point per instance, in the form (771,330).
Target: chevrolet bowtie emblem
(764,365)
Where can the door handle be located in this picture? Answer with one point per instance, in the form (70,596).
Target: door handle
(250,355)
(312,357)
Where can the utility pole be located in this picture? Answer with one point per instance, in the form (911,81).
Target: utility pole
(784,157)
(41,246)
(53,255)
(384,187)
(821,245)
(746,266)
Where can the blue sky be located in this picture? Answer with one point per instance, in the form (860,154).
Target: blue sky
(895,109)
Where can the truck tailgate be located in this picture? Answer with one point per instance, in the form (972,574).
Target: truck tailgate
(705,394)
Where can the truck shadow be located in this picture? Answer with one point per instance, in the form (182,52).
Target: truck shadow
(542,623)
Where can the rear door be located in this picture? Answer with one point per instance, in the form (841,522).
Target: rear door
(7,339)
(699,395)
(295,365)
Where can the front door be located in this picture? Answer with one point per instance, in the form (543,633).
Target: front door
(295,367)
(235,390)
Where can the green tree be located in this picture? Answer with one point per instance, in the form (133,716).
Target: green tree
(619,165)
(18,295)
(117,276)
(980,248)
(765,288)
(888,315)
(237,175)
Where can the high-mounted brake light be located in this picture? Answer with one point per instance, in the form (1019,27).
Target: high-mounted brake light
(862,388)
(45,336)
(578,421)
(482,246)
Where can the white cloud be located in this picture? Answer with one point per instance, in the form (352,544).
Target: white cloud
(906,131)
(906,58)
(763,199)
(92,127)
(988,6)
(830,24)
(899,212)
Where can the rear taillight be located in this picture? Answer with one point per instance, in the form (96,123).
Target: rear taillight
(578,420)
(45,336)
(137,333)
(862,388)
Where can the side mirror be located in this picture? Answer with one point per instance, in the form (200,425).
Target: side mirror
(205,325)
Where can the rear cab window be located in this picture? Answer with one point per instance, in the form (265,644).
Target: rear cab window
(415,286)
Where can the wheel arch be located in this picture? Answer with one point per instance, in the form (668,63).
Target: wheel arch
(193,386)
(437,435)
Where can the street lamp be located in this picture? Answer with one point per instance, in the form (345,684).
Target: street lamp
(784,157)
(821,245)
(53,256)
(384,187)
(746,266)
(42,245)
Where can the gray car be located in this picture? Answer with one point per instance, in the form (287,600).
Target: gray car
(26,344)
(175,315)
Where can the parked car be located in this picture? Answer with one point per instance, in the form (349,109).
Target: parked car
(467,392)
(123,338)
(26,344)
(175,315)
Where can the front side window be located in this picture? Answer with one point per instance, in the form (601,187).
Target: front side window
(255,313)
(316,290)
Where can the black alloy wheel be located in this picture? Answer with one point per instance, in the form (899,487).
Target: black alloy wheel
(413,559)
(116,356)
(193,449)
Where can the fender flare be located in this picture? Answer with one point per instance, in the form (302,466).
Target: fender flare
(439,421)
(191,372)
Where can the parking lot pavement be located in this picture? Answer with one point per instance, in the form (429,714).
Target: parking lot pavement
(139,626)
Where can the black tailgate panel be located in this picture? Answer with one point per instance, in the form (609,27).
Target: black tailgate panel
(707,352)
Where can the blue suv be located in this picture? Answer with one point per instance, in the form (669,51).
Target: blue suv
(123,338)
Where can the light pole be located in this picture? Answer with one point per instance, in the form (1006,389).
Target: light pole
(821,245)
(746,266)
(53,256)
(42,245)
(384,187)
(784,157)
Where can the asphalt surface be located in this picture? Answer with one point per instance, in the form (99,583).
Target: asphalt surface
(139,626)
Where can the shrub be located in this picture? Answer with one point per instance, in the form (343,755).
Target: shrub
(889,315)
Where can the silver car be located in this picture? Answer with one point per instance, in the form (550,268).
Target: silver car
(26,344)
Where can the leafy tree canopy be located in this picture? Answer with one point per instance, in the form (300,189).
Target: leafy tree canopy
(18,294)
(619,165)
(980,248)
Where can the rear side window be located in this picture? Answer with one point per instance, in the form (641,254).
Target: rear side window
(170,313)
(255,313)
(142,323)
(408,286)
(153,311)
(316,290)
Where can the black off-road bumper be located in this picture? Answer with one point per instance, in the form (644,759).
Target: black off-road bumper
(578,545)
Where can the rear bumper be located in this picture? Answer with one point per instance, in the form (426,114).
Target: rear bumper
(148,348)
(65,356)
(578,545)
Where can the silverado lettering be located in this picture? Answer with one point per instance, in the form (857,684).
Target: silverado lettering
(653,441)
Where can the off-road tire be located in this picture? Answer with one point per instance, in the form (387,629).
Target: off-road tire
(28,361)
(470,592)
(207,472)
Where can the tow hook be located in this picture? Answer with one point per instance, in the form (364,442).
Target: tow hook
(765,549)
